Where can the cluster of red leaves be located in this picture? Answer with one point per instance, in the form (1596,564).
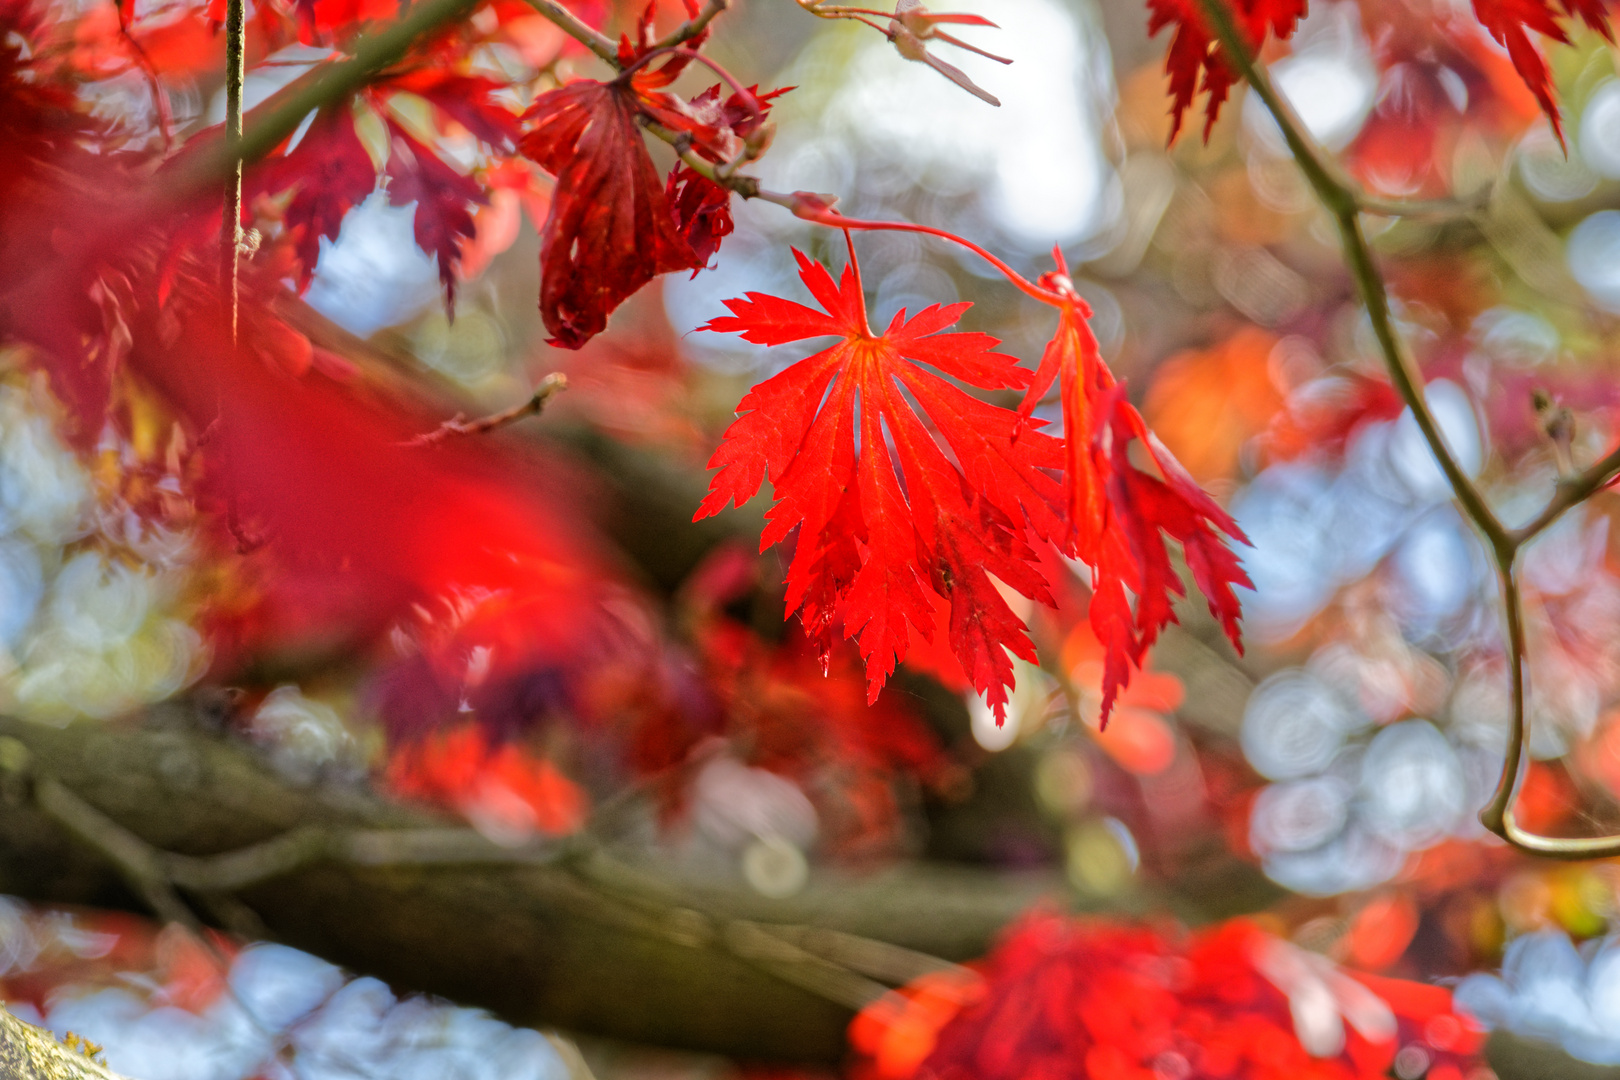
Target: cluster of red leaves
(883,534)
(1062,999)
(329,526)
(613,226)
(329,170)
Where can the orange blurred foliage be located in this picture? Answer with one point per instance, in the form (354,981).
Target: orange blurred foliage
(1206,404)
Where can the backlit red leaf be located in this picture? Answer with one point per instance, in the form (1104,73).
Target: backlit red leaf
(1510,23)
(1118,515)
(886,516)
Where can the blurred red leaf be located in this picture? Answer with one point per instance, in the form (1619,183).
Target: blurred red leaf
(468,100)
(329,171)
(1071,999)
(441,195)
(499,786)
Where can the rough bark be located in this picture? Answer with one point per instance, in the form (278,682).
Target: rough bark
(28,1053)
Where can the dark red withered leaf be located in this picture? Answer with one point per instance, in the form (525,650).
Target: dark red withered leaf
(610,230)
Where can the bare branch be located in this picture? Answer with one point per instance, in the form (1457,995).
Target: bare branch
(1342,199)
(549,386)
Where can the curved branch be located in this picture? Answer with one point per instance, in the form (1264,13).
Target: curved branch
(1341,198)
(1339,195)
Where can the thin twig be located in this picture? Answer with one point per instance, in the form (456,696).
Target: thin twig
(693,27)
(230,231)
(549,387)
(1576,489)
(1346,204)
(1426,208)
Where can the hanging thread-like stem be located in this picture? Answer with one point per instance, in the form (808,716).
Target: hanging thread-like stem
(230,232)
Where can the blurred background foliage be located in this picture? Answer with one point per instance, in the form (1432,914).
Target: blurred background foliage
(1328,779)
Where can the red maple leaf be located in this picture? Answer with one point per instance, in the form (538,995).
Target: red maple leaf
(610,230)
(887,516)
(441,196)
(1193,49)
(1509,21)
(329,171)
(1117,515)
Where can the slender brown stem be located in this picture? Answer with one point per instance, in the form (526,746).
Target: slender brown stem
(1571,492)
(1346,203)
(693,27)
(230,231)
(549,386)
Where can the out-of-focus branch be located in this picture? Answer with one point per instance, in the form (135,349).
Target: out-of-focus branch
(550,386)
(1346,203)
(597,940)
(279,117)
